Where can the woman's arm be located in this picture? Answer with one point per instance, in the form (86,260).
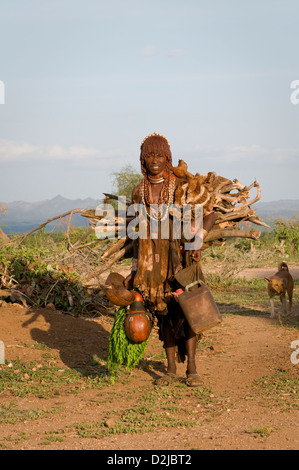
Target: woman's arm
(208,222)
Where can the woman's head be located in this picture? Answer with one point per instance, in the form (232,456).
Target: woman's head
(153,147)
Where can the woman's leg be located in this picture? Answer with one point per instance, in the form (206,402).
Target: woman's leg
(193,379)
(170,347)
(191,343)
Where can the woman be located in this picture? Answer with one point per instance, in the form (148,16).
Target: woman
(157,259)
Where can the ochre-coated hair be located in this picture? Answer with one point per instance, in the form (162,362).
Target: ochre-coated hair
(155,144)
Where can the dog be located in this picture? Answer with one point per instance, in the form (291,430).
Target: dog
(280,284)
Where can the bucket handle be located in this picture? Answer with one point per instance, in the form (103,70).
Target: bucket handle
(193,284)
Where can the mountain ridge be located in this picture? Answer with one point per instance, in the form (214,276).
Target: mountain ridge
(22,216)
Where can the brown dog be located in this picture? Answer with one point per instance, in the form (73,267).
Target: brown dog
(280,284)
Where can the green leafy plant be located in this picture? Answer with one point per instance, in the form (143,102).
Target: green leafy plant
(263,431)
(287,231)
(123,351)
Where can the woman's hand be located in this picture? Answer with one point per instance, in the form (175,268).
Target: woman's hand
(195,255)
(129,281)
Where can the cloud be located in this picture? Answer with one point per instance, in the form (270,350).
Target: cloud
(92,158)
(177,53)
(148,51)
(12,151)
(57,152)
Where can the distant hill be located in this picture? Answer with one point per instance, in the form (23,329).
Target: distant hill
(282,209)
(21,217)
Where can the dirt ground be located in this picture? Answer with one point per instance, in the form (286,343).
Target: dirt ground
(244,349)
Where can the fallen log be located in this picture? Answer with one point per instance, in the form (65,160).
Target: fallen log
(219,234)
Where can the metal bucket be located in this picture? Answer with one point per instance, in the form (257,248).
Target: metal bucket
(199,307)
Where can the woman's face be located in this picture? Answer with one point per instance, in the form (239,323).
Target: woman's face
(155,164)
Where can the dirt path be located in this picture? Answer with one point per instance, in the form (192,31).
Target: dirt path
(253,273)
(236,414)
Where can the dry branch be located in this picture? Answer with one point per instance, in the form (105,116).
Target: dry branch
(216,234)
(118,246)
(117,256)
(43,225)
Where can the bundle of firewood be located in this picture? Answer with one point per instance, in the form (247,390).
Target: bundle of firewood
(229,199)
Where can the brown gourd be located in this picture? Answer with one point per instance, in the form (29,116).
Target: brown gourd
(138,323)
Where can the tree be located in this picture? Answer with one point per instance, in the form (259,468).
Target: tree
(3,209)
(125,180)
(3,238)
(288,232)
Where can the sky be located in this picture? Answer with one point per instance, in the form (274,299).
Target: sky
(82,82)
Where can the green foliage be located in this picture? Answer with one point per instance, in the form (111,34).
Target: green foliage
(266,240)
(3,209)
(263,431)
(125,180)
(34,268)
(279,390)
(12,414)
(44,379)
(123,351)
(243,244)
(287,231)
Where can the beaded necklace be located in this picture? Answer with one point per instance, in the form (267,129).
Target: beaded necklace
(154,211)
